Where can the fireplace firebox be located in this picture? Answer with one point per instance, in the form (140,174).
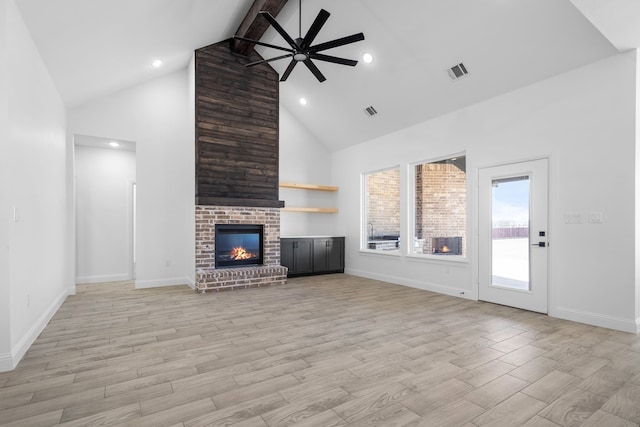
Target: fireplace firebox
(447,245)
(238,245)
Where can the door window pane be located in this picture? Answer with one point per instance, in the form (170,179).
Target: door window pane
(510,233)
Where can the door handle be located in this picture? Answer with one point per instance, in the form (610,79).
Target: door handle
(540,244)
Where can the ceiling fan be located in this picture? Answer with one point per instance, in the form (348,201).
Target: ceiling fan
(301,50)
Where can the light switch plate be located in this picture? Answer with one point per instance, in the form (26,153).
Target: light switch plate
(573,218)
(595,217)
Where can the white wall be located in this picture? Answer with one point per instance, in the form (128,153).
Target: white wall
(156,116)
(6,361)
(35,155)
(304,160)
(104,200)
(637,164)
(584,122)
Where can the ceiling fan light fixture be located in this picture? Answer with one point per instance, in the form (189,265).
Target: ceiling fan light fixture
(367,58)
(300,56)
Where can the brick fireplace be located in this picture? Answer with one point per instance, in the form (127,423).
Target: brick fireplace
(210,278)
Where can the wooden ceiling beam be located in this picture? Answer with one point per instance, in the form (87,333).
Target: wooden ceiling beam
(253,26)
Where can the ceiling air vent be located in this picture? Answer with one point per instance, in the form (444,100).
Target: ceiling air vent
(370,111)
(457,71)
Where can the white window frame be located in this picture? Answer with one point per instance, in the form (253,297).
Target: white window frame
(410,247)
(364,213)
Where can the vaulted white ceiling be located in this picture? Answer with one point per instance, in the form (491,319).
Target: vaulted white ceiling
(93,48)
(96,47)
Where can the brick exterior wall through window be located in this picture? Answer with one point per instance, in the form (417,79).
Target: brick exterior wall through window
(383,207)
(441,204)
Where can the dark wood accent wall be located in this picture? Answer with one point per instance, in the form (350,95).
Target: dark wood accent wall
(237,119)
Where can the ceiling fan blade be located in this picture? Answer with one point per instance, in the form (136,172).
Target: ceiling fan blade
(289,69)
(337,42)
(272,46)
(279,29)
(334,59)
(269,60)
(315,28)
(312,67)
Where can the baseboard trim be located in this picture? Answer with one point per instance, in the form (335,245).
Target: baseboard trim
(425,286)
(597,319)
(103,279)
(610,322)
(160,283)
(8,362)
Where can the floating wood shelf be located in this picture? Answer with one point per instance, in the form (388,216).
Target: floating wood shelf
(316,210)
(308,186)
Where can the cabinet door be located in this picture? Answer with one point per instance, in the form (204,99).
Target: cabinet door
(296,255)
(286,254)
(328,254)
(320,258)
(335,254)
(303,256)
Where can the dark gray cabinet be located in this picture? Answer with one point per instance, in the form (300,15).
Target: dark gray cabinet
(297,255)
(312,255)
(328,254)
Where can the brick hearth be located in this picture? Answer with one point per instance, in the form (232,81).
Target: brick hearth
(208,278)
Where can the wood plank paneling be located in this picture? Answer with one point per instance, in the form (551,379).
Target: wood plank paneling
(237,129)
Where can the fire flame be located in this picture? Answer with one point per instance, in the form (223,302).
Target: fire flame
(445,249)
(240,253)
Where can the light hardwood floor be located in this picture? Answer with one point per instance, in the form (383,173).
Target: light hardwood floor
(321,351)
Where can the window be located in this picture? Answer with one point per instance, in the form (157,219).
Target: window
(440,227)
(382,211)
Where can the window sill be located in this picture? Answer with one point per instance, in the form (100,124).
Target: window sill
(438,259)
(434,259)
(380,253)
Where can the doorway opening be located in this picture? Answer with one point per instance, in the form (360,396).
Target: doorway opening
(105,202)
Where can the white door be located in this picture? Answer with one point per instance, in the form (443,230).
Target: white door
(513,235)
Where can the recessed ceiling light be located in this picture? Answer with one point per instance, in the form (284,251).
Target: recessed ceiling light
(368,58)
(157,63)
(114,144)
(303,101)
